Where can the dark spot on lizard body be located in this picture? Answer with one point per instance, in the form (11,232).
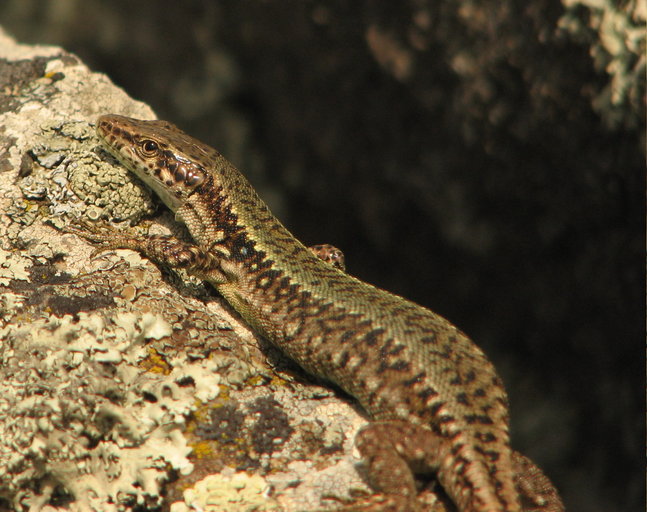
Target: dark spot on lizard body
(418,378)
(373,337)
(397,366)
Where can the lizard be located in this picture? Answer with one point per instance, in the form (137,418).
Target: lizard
(436,403)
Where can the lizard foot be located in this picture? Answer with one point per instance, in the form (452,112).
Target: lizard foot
(166,250)
(106,236)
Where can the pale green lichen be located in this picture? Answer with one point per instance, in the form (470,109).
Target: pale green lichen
(9,303)
(78,414)
(13,266)
(617,39)
(109,189)
(69,172)
(233,492)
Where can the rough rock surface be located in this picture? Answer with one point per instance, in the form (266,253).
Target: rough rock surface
(123,387)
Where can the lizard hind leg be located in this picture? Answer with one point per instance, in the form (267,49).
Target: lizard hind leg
(330,254)
(391,449)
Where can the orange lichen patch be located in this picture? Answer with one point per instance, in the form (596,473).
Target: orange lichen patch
(256,380)
(155,363)
(202,449)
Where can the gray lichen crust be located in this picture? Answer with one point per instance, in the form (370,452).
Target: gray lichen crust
(121,384)
(63,172)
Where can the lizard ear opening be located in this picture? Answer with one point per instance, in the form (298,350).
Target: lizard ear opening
(194,178)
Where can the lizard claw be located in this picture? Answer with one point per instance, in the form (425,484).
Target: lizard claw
(105,235)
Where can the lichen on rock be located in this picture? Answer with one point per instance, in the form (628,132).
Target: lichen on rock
(87,421)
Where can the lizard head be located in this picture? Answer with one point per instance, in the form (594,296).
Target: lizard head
(168,160)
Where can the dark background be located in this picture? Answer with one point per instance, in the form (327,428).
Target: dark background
(466,156)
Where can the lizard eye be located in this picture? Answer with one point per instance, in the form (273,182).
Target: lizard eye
(149,147)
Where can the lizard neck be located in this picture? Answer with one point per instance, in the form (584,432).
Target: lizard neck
(225,213)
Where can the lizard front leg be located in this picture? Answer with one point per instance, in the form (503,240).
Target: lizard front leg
(175,253)
(167,250)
